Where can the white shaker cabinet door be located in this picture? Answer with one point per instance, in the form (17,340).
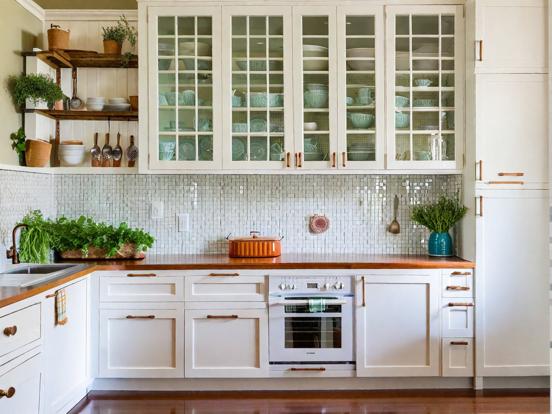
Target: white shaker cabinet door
(511,36)
(397,317)
(512,131)
(512,284)
(227,343)
(20,385)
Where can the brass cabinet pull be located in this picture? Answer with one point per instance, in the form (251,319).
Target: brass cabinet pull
(224,274)
(480,214)
(51,295)
(344,158)
(8,394)
(460,304)
(507,182)
(300,158)
(460,274)
(141,275)
(458,288)
(363,292)
(222,316)
(480,50)
(459,342)
(480,163)
(140,316)
(334,161)
(10,330)
(320,369)
(511,174)
(288,159)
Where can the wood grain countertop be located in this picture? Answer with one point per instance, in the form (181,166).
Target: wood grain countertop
(10,295)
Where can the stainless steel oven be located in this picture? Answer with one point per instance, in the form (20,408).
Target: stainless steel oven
(311,320)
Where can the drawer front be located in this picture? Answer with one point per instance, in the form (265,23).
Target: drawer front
(225,287)
(457,357)
(457,283)
(141,287)
(19,328)
(457,317)
(20,387)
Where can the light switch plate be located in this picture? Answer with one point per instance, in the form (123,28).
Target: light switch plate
(157,210)
(183,222)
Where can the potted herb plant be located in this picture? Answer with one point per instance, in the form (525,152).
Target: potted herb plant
(18,145)
(35,87)
(115,36)
(439,218)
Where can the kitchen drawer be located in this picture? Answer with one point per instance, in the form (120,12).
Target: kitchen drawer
(20,380)
(457,317)
(19,328)
(457,357)
(141,287)
(225,287)
(457,283)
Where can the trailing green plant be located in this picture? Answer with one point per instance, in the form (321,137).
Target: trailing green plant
(120,32)
(18,141)
(35,239)
(440,216)
(37,87)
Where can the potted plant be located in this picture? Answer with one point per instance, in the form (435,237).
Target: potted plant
(35,87)
(439,218)
(18,145)
(115,36)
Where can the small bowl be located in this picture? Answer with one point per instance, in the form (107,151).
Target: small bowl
(402,120)
(401,101)
(316,87)
(71,154)
(236,101)
(310,126)
(360,120)
(94,106)
(186,97)
(316,99)
(350,101)
(422,82)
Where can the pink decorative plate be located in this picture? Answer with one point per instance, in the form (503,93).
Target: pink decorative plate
(319,224)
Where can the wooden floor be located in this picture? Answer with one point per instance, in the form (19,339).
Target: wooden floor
(388,402)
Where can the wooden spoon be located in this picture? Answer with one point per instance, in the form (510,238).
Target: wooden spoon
(395,227)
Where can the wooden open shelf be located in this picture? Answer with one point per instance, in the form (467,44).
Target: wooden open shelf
(71,58)
(87,115)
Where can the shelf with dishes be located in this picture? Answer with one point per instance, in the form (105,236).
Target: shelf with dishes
(68,58)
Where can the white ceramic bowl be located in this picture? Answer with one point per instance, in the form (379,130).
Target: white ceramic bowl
(310,126)
(94,106)
(315,51)
(72,154)
(96,99)
(117,101)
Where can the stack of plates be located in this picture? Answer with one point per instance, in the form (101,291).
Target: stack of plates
(361,151)
(117,104)
(95,104)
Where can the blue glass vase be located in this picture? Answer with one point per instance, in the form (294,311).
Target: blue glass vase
(440,244)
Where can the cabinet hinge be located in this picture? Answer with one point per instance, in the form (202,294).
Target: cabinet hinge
(464,11)
(384,160)
(463,160)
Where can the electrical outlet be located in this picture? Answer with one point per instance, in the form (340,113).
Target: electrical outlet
(183,222)
(157,210)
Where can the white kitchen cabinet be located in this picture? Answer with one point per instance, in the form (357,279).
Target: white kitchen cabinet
(457,358)
(397,324)
(65,349)
(226,343)
(20,385)
(457,283)
(141,286)
(141,341)
(512,318)
(18,329)
(512,131)
(511,36)
(457,318)
(225,286)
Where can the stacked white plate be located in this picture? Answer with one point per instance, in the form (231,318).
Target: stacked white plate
(117,104)
(95,104)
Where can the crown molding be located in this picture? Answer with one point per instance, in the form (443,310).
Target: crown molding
(88,15)
(33,8)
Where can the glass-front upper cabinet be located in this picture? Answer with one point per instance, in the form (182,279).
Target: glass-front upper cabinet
(315,87)
(184,88)
(425,75)
(361,87)
(257,87)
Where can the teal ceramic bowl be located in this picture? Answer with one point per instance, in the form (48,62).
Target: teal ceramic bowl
(360,120)
(365,91)
(401,120)
(422,82)
(258,125)
(425,102)
(186,98)
(401,101)
(239,127)
(257,99)
(236,101)
(316,99)
(365,100)
(350,101)
(171,98)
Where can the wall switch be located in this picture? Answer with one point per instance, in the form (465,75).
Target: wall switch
(157,210)
(183,222)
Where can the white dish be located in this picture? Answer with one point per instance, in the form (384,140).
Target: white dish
(361,52)
(117,101)
(188,48)
(94,106)
(117,107)
(96,99)
(72,154)
(310,126)
(315,51)
(361,64)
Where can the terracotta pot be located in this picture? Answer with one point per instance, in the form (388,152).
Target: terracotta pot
(133,102)
(111,47)
(128,251)
(58,105)
(254,246)
(58,38)
(37,153)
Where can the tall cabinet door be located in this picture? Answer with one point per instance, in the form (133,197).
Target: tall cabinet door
(315,87)
(425,87)
(360,87)
(398,329)
(512,318)
(257,67)
(512,130)
(184,82)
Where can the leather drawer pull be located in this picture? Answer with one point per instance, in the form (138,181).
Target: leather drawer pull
(455,304)
(10,330)
(459,343)
(141,275)
(8,394)
(507,182)
(321,369)
(222,316)
(50,296)
(460,274)
(458,288)
(224,274)
(140,317)
(511,174)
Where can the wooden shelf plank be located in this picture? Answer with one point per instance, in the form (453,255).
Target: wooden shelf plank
(82,59)
(88,115)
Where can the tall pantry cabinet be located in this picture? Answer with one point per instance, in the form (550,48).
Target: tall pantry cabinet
(507,173)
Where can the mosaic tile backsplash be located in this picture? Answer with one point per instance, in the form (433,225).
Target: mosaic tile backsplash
(359,207)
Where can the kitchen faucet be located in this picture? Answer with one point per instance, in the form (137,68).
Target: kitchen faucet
(12,251)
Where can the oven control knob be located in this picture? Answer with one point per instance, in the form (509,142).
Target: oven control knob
(292,286)
(327,286)
(282,286)
(341,285)
(289,286)
(337,286)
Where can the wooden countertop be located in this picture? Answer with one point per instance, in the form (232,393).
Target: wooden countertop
(10,295)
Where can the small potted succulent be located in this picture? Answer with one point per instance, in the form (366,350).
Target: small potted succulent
(439,218)
(115,36)
(18,145)
(35,88)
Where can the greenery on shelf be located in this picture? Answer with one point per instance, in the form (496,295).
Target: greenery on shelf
(36,87)
(441,216)
(119,33)
(18,144)
(65,234)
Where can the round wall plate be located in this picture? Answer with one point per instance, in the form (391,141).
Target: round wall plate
(319,224)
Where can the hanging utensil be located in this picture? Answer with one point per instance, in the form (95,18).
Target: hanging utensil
(107,152)
(75,102)
(395,227)
(96,153)
(132,153)
(117,153)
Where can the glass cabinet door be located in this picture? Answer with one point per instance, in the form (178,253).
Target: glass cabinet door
(184,89)
(361,87)
(425,79)
(315,87)
(257,88)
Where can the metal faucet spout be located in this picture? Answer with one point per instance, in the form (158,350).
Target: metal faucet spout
(12,251)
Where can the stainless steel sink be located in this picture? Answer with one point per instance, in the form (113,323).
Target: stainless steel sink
(32,274)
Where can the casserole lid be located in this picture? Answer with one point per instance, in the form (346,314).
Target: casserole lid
(254,236)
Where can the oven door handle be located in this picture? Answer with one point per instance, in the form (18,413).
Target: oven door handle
(306,302)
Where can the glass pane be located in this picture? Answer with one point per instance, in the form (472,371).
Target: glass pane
(360,26)
(317,147)
(402,147)
(205,148)
(361,147)
(315,26)
(258,149)
(204,26)
(167,148)
(447,25)
(257,26)
(276,26)
(165,26)
(402,25)
(239,25)
(239,148)
(425,25)
(316,332)
(187,148)
(186,26)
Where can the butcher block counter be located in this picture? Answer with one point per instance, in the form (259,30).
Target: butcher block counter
(10,295)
